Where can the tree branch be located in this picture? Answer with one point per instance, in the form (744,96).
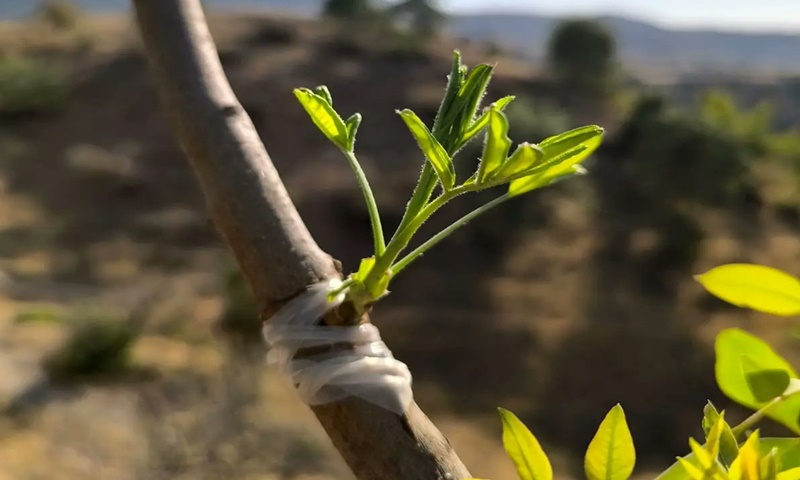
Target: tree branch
(255,216)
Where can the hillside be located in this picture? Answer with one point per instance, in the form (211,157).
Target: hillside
(653,52)
(646,47)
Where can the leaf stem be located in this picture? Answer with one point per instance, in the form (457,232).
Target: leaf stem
(372,205)
(404,235)
(756,417)
(419,251)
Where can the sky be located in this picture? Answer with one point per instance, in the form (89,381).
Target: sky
(783,15)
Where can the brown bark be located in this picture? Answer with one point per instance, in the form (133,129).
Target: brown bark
(252,211)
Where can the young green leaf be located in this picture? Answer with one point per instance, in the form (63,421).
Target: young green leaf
(523,448)
(324,117)
(454,82)
(765,383)
(731,344)
(323,92)
(364,268)
(483,120)
(746,466)
(352,125)
(525,157)
(769,466)
(788,451)
(497,145)
(588,137)
(792,474)
(611,455)
(562,157)
(471,94)
(534,182)
(440,161)
(690,470)
(728,447)
(754,286)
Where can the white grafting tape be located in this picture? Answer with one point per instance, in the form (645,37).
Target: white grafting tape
(363,367)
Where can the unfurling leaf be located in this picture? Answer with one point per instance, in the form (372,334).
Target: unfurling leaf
(352,125)
(324,116)
(483,120)
(728,446)
(471,93)
(323,92)
(440,161)
(495,151)
(746,466)
(523,448)
(533,182)
(611,455)
(562,157)
(754,286)
(525,157)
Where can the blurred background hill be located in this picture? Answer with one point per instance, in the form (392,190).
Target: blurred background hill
(129,347)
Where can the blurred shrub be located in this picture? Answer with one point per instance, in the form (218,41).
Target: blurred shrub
(60,14)
(99,345)
(30,86)
(752,128)
(348,9)
(582,55)
(676,155)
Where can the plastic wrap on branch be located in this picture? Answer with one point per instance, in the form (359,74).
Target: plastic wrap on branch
(359,363)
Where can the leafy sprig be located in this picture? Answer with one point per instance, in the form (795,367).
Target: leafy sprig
(458,121)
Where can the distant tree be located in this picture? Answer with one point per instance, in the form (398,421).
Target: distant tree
(348,9)
(423,16)
(582,54)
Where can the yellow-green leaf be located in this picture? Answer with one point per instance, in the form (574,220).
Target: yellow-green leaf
(523,448)
(440,161)
(693,472)
(561,145)
(563,155)
(483,120)
(758,287)
(533,182)
(791,474)
(525,157)
(746,466)
(730,346)
(324,116)
(611,454)
(497,145)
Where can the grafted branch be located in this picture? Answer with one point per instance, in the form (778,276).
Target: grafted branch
(252,211)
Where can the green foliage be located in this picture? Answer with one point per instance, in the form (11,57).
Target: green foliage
(719,110)
(30,86)
(524,449)
(754,286)
(611,455)
(99,345)
(750,372)
(675,156)
(582,54)
(458,121)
